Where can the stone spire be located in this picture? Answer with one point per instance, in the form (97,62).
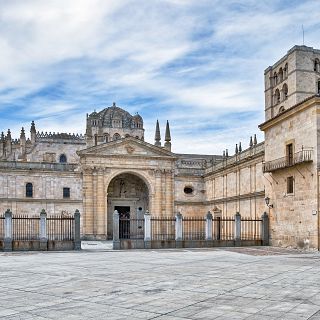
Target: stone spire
(240,147)
(33,132)
(251,142)
(23,141)
(255,139)
(227,153)
(9,142)
(236,151)
(157,136)
(167,144)
(2,144)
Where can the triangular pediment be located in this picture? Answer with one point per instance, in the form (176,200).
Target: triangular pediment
(127,147)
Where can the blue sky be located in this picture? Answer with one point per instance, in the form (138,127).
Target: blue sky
(197,63)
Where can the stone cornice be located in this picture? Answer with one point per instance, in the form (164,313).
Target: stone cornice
(40,200)
(247,196)
(130,141)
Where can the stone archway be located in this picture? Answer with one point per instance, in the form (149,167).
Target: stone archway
(128,194)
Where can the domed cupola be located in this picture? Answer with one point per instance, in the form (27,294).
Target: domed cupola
(113,123)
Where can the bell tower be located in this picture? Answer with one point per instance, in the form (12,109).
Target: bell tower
(292,79)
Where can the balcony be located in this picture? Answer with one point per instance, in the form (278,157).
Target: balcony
(303,156)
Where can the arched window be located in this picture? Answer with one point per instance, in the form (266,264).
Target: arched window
(29,190)
(127,135)
(63,158)
(275,78)
(282,109)
(116,136)
(277,96)
(280,75)
(95,139)
(285,71)
(316,65)
(284,92)
(106,138)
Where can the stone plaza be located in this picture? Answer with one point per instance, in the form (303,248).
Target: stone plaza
(224,283)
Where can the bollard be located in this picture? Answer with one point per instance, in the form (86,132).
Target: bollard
(43,231)
(116,239)
(209,226)
(265,229)
(237,229)
(8,230)
(178,230)
(147,230)
(77,240)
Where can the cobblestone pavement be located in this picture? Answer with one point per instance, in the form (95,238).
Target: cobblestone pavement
(234,283)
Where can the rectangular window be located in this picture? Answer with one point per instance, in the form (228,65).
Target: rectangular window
(290,154)
(290,185)
(66,192)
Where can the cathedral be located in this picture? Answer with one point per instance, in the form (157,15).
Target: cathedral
(110,167)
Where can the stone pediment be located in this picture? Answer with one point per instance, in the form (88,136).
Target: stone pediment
(127,146)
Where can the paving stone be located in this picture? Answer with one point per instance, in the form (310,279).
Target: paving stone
(160,284)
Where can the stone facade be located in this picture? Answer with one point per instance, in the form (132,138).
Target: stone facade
(112,167)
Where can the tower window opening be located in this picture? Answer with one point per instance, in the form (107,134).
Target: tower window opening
(316,65)
(277,96)
(280,74)
(285,71)
(285,91)
(275,78)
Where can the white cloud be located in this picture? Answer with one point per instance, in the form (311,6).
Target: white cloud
(195,63)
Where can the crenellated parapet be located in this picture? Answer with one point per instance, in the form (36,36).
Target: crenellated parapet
(33,148)
(50,136)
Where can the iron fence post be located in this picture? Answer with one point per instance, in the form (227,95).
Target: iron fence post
(147,230)
(43,231)
(77,241)
(209,226)
(237,227)
(265,229)
(178,230)
(116,239)
(8,230)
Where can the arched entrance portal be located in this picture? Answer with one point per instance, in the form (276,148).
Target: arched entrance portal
(128,194)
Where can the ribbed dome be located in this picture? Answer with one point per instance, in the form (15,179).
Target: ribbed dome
(107,115)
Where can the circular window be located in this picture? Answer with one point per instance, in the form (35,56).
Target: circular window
(188,190)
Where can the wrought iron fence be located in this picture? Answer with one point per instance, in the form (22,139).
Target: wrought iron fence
(193,228)
(251,229)
(25,227)
(60,228)
(223,228)
(131,228)
(163,228)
